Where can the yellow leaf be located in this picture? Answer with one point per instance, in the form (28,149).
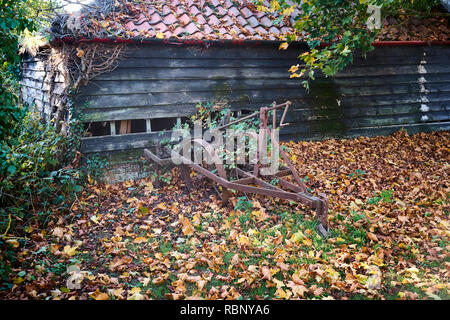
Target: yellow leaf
(135,290)
(187,228)
(136,296)
(244,241)
(161,206)
(294,68)
(288,11)
(102,296)
(18,280)
(80,53)
(372,236)
(70,251)
(13,242)
(297,237)
(118,292)
(278,283)
(378,261)
(307,242)
(140,240)
(283,46)
(149,186)
(145,281)
(159,35)
(413,270)
(280,293)
(294,75)
(401,245)
(95,219)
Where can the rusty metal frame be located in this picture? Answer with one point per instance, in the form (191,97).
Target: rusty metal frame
(250,181)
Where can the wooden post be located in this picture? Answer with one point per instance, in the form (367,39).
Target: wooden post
(148,125)
(112,125)
(125,126)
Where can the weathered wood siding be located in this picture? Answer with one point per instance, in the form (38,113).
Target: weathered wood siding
(35,85)
(42,87)
(395,87)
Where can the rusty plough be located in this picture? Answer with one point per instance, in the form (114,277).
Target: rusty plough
(248,178)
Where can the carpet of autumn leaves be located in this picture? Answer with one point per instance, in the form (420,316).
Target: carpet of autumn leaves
(389,233)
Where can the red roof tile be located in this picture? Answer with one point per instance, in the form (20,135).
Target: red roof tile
(192,19)
(226,19)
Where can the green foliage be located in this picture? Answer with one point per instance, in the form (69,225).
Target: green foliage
(17,17)
(335,29)
(386,196)
(32,177)
(243,204)
(359,174)
(212,116)
(13,21)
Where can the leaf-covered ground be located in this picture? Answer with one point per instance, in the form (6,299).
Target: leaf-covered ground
(389,206)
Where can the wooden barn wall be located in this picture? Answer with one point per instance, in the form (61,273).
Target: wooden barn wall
(395,87)
(35,84)
(41,86)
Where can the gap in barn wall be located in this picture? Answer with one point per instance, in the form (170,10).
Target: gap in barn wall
(163,124)
(97,129)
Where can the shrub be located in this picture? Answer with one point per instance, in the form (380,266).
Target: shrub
(32,175)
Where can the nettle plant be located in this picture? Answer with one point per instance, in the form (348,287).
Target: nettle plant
(335,29)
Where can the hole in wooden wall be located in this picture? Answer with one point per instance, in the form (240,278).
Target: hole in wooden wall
(163,124)
(138,126)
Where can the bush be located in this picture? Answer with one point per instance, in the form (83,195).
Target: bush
(31,173)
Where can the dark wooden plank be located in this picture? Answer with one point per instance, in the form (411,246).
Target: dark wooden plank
(373,71)
(224,86)
(152,51)
(152,99)
(357,81)
(393,89)
(194,73)
(98,87)
(296,112)
(170,62)
(122,142)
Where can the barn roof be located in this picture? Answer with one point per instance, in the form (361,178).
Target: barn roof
(213,20)
(186,19)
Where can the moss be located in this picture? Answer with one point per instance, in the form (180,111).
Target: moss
(221,90)
(244,100)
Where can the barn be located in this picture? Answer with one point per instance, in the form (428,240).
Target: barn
(153,62)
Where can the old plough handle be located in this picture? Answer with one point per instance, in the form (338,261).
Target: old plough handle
(286,107)
(282,124)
